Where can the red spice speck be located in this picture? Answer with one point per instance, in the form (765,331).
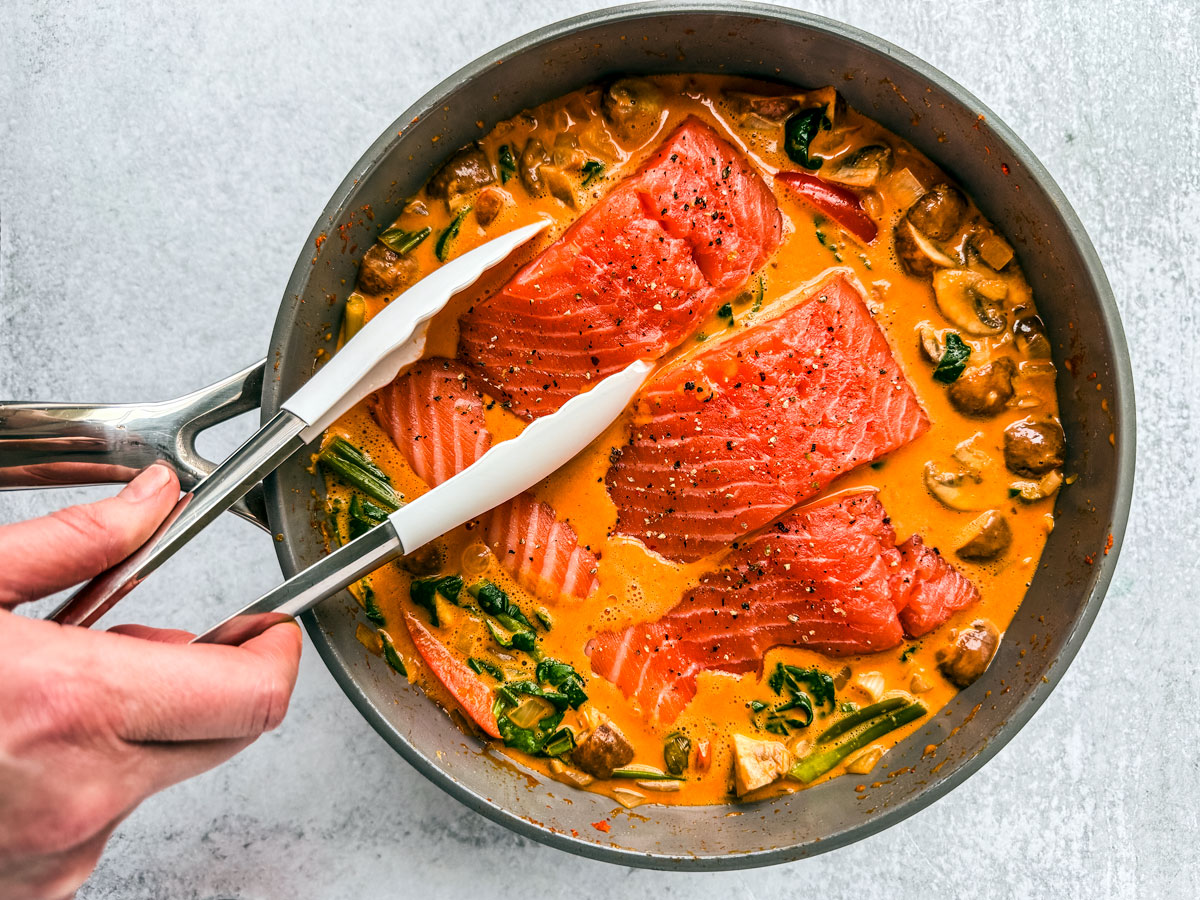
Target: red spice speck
(1004,168)
(320,240)
(1090,559)
(574,833)
(602,825)
(1108,545)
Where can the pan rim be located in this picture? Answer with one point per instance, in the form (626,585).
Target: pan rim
(1124,424)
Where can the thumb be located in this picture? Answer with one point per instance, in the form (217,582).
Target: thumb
(66,547)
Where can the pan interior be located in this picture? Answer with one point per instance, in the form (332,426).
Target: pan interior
(1011,189)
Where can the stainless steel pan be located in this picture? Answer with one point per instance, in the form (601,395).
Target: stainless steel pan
(41,445)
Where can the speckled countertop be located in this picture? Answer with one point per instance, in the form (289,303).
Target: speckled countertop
(183,154)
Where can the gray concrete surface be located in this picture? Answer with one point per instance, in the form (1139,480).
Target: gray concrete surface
(159,170)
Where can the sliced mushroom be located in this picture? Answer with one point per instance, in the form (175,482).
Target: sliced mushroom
(581,106)
(991,536)
(864,167)
(560,185)
(968,657)
(931,343)
(971,458)
(489,204)
(533,158)
(983,391)
(971,301)
(633,106)
(416,208)
(917,253)
(1046,486)
(842,677)
(384,271)
(603,750)
(466,171)
(428,560)
(829,100)
(940,212)
(1033,447)
(770,110)
(596,140)
(1030,335)
(567,155)
(948,488)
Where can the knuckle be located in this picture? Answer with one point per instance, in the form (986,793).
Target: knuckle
(69,877)
(62,704)
(69,824)
(271,703)
(49,710)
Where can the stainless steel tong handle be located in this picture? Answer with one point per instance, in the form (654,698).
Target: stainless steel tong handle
(260,455)
(305,590)
(46,445)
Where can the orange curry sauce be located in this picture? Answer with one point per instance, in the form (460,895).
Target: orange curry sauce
(634,584)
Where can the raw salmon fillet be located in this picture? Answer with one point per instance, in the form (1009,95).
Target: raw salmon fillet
(931,589)
(828,577)
(435,416)
(630,278)
(748,428)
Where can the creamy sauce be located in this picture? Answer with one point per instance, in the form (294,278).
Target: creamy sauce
(634,584)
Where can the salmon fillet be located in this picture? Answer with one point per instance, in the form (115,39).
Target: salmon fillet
(828,577)
(748,428)
(931,589)
(435,416)
(630,278)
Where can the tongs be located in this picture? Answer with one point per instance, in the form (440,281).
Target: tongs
(370,359)
(506,470)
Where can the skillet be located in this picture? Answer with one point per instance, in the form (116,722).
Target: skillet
(43,444)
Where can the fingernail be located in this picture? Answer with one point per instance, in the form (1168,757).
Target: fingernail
(146,485)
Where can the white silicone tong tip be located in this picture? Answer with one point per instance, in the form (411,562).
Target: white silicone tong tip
(395,337)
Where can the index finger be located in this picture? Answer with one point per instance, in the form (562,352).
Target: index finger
(67,546)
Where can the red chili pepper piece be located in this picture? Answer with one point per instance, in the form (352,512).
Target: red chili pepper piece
(602,825)
(839,204)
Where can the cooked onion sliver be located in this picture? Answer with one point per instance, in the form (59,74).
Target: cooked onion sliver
(628,797)
(661,785)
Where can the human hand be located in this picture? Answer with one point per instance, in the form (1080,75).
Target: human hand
(93,722)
